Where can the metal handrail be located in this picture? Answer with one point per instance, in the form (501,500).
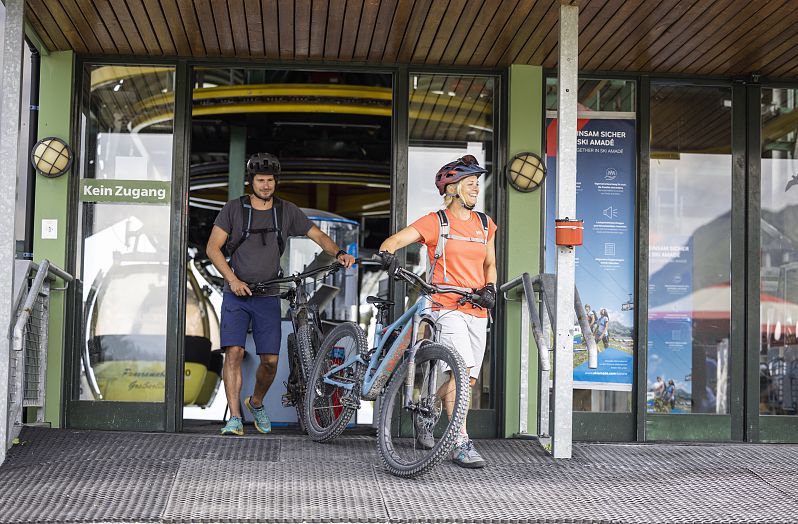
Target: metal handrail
(43,270)
(27,297)
(543,284)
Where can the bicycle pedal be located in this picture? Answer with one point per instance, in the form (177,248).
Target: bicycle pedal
(350,401)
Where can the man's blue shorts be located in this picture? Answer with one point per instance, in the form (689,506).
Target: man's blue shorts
(264,315)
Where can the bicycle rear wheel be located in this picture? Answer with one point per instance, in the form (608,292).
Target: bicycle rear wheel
(295,387)
(329,408)
(399,426)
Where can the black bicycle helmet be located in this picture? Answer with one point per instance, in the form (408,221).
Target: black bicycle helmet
(263,164)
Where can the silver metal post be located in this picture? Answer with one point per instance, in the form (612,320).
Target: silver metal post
(523,405)
(10,92)
(566,208)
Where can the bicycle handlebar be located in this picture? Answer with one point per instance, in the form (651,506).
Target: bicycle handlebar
(297,277)
(430,289)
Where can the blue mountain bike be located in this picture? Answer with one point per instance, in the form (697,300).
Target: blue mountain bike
(408,368)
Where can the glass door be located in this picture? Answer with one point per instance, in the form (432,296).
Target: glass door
(606,189)
(778,267)
(122,245)
(452,115)
(690,284)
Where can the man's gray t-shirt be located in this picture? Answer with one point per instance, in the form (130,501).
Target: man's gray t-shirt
(253,261)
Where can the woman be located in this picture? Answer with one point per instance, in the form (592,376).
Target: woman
(468,260)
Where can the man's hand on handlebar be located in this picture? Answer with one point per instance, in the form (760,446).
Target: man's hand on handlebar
(240,288)
(345,259)
(388,260)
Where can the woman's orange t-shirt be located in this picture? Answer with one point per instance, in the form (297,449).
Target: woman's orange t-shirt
(464,260)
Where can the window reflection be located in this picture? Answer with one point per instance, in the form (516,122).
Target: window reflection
(778,361)
(689,250)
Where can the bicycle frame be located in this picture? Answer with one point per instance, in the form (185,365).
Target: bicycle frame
(380,369)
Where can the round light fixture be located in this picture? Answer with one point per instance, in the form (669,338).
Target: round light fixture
(51,156)
(525,172)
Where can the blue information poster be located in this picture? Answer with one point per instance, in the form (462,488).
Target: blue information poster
(605,263)
(670,323)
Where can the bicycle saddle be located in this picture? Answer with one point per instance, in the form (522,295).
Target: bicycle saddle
(379,302)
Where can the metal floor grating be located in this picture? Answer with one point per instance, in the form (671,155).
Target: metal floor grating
(92,476)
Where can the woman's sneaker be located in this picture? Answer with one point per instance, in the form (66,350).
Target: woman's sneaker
(465,456)
(424,437)
(262,422)
(234,426)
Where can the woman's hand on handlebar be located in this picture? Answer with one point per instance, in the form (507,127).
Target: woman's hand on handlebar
(239,288)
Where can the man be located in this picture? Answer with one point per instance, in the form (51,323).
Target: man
(591,319)
(603,328)
(254,228)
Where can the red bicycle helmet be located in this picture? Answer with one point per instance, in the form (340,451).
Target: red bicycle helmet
(454,171)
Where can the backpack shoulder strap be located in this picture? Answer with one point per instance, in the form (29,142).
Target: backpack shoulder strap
(246,224)
(443,235)
(483,218)
(277,214)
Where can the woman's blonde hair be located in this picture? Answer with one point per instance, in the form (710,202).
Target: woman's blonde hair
(458,190)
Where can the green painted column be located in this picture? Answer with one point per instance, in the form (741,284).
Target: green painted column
(51,203)
(237,162)
(524,242)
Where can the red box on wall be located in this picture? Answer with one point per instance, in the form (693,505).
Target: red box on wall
(568,232)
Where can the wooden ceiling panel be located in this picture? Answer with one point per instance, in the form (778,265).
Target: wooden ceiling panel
(302,15)
(239,25)
(504,15)
(254,27)
(350,28)
(732,34)
(700,37)
(160,28)
(365,32)
(335,29)
(144,26)
(47,30)
(382,29)
(318,29)
(191,25)
(224,31)
(271,28)
(188,41)
(752,44)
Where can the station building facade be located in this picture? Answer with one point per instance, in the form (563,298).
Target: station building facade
(685,180)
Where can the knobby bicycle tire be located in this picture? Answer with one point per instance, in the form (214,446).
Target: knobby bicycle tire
(296,383)
(326,416)
(307,349)
(391,444)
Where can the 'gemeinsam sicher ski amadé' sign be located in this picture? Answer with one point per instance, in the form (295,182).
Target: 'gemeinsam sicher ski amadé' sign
(125,191)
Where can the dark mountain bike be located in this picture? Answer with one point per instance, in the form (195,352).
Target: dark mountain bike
(406,366)
(303,343)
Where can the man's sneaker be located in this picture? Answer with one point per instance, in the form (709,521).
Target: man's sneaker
(465,456)
(234,426)
(424,437)
(262,422)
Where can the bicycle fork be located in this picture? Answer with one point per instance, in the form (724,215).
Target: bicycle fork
(430,384)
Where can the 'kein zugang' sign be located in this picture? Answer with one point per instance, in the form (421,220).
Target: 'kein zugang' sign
(125,191)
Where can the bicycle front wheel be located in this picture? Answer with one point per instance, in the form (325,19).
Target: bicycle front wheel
(414,436)
(328,407)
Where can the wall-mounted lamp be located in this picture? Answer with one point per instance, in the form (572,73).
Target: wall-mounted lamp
(51,157)
(525,172)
